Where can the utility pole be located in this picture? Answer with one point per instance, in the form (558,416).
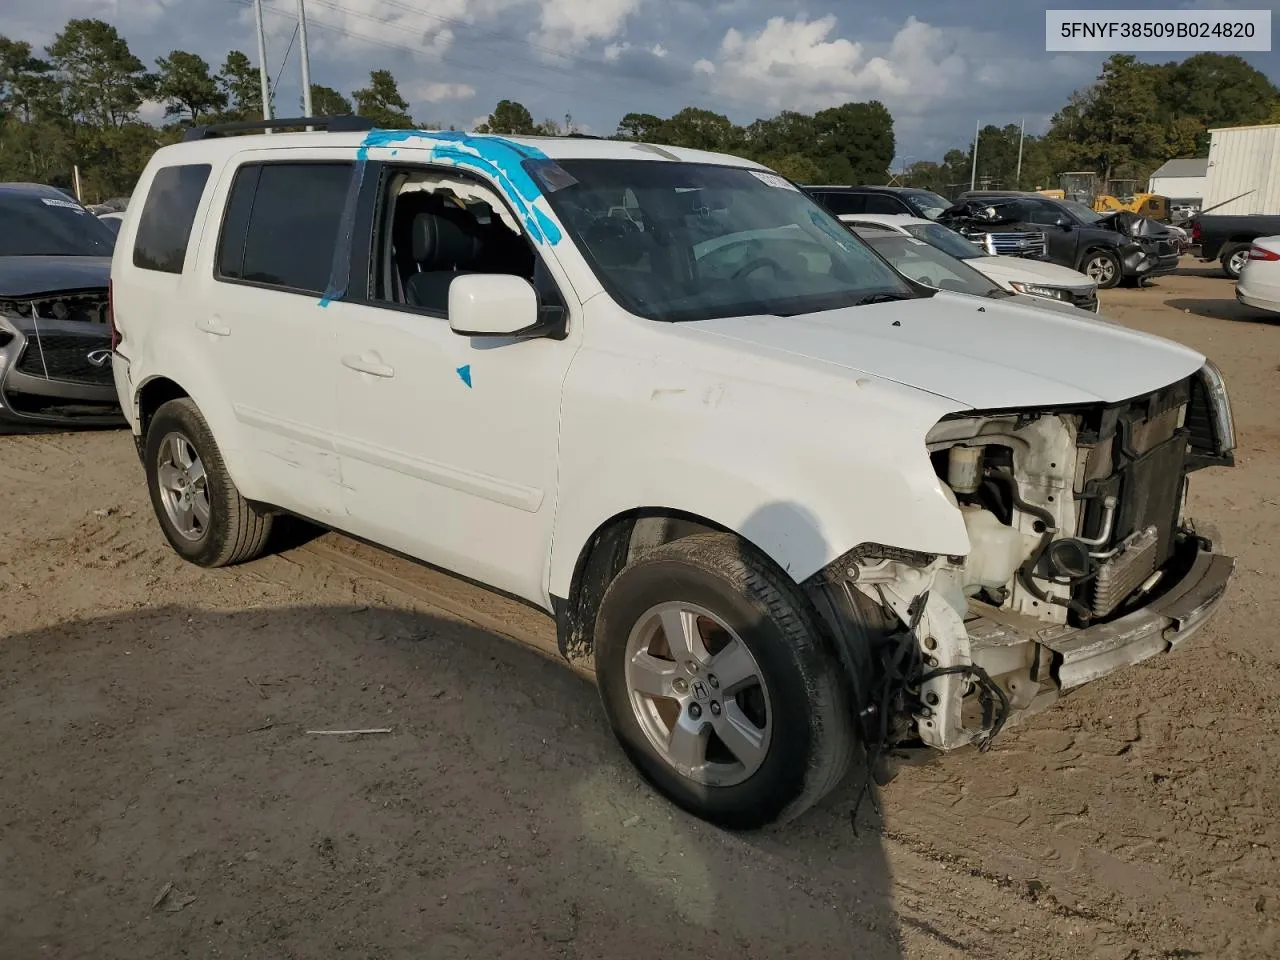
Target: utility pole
(1021,136)
(306,58)
(973,172)
(262,62)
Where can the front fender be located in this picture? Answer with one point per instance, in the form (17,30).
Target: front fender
(803,458)
(798,513)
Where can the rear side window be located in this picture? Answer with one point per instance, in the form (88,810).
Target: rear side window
(281,224)
(882,203)
(844,203)
(164,229)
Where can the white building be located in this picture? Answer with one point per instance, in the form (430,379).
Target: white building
(1181,179)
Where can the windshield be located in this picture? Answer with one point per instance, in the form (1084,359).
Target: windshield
(926,203)
(946,240)
(1080,211)
(930,266)
(36,226)
(692,241)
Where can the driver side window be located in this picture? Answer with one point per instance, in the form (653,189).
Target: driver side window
(436,226)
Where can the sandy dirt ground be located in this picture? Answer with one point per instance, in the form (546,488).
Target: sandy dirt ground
(161,797)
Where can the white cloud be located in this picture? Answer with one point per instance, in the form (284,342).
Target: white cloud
(658,50)
(569,25)
(614,50)
(152,111)
(804,64)
(439,92)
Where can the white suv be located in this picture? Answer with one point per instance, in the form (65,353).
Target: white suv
(795,509)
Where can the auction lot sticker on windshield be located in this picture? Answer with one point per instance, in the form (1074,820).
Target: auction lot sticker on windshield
(773,180)
(69,204)
(1125,31)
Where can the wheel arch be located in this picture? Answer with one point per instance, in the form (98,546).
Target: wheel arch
(152,395)
(613,544)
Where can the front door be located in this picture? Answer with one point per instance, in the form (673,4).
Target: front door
(448,444)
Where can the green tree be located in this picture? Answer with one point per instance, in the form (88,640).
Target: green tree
(1216,90)
(640,126)
(184,84)
(241,83)
(103,82)
(797,167)
(700,129)
(24,79)
(789,133)
(328,102)
(381,102)
(1274,115)
(509,117)
(854,142)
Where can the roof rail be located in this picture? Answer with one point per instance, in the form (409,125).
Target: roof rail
(345,123)
(582,136)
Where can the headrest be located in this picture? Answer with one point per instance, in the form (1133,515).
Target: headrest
(445,238)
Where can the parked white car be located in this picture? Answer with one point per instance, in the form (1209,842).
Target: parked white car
(1033,278)
(1259,283)
(788,504)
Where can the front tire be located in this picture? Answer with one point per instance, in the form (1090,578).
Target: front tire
(1234,257)
(202,514)
(1103,268)
(718,684)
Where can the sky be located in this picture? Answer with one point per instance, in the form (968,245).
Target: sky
(940,66)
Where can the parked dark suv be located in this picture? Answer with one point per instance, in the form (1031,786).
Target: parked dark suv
(55,338)
(1075,236)
(909,200)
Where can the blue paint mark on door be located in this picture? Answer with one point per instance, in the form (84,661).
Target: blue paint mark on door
(464,374)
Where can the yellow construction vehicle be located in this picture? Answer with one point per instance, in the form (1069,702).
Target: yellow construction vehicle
(1119,196)
(1124,195)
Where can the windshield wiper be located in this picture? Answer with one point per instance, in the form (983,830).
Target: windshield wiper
(882,298)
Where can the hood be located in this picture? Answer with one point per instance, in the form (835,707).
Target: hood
(1023,270)
(1135,225)
(36,276)
(985,354)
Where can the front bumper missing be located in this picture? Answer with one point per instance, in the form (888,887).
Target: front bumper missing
(1078,656)
(1164,624)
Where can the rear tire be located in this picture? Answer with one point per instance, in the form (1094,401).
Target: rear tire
(763,741)
(1234,256)
(202,514)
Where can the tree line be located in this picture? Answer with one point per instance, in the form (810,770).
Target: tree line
(1124,126)
(76,104)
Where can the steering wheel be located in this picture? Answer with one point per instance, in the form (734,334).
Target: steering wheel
(759,263)
(927,281)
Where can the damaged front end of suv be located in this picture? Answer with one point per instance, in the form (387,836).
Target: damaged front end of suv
(1081,562)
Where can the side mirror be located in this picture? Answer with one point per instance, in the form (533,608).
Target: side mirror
(498,305)
(1063,223)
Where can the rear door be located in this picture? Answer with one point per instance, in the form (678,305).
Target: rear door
(1062,241)
(262,323)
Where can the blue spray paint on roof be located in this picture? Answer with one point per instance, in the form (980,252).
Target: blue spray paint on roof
(464,374)
(494,157)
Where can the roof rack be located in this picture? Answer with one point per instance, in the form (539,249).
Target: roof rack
(344,123)
(582,136)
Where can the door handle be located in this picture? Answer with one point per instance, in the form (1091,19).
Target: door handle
(213,325)
(374,367)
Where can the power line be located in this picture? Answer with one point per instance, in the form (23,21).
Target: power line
(275,83)
(575,91)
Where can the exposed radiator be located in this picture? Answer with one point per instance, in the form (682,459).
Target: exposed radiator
(1119,576)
